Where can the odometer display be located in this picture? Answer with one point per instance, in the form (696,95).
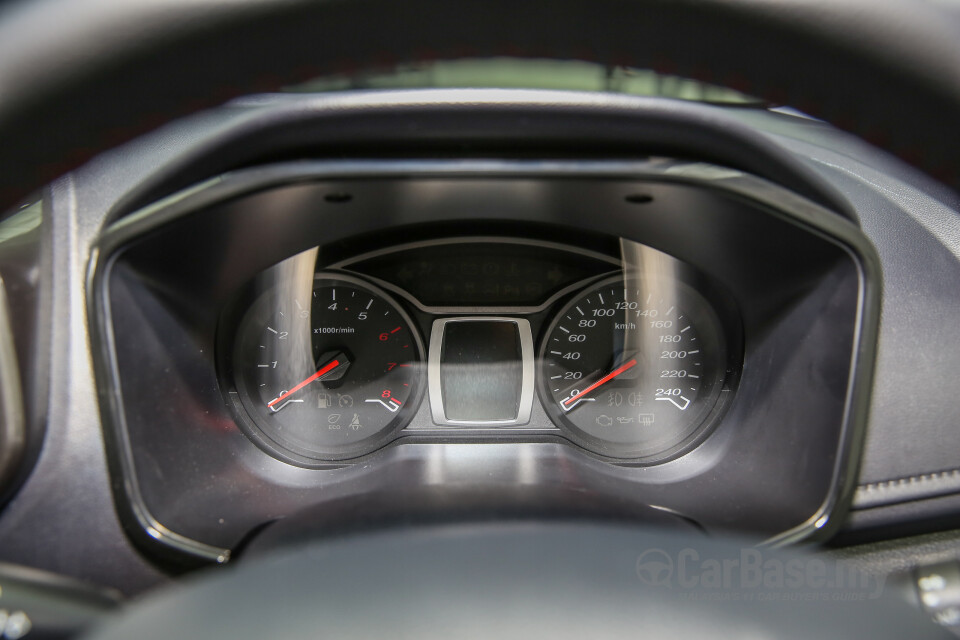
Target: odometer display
(633,370)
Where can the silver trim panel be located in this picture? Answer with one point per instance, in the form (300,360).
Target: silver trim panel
(13,435)
(526,386)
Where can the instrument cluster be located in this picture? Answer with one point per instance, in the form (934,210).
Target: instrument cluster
(624,354)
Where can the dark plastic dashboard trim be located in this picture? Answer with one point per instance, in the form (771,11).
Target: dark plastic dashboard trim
(774,199)
(118,447)
(532,123)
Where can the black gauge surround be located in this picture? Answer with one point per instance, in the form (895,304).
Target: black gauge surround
(795,288)
(327,375)
(634,369)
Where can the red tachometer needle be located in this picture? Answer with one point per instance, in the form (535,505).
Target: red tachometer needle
(327,368)
(602,381)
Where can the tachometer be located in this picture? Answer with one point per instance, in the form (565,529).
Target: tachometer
(330,376)
(633,369)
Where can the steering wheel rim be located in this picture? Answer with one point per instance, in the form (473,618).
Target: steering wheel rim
(82,76)
(526,579)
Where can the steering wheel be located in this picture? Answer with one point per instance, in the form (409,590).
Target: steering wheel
(81,75)
(78,77)
(523,580)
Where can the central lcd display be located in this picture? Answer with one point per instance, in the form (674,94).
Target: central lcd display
(481,372)
(474,274)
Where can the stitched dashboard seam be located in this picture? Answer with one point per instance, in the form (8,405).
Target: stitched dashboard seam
(906,489)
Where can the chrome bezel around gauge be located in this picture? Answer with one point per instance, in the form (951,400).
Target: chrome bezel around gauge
(273,438)
(626,441)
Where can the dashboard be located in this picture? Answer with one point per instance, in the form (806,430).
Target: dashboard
(712,336)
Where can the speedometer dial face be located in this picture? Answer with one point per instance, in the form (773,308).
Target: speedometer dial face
(633,370)
(330,376)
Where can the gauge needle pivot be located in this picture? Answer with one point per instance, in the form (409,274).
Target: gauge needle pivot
(339,360)
(602,381)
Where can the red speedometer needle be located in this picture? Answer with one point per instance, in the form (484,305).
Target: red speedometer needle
(327,368)
(602,381)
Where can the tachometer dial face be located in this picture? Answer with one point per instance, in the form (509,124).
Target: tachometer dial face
(633,370)
(330,376)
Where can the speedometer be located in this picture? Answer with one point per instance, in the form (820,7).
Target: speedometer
(634,369)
